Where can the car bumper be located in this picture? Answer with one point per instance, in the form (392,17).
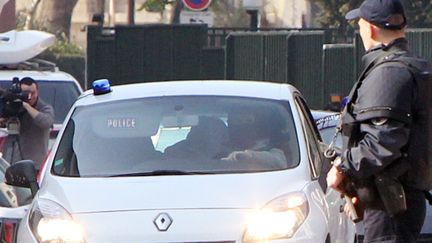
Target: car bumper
(192,231)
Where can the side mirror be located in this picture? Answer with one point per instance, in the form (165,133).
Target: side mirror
(23,174)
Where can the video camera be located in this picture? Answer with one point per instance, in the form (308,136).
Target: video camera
(11,100)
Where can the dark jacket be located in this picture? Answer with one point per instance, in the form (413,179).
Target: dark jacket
(378,121)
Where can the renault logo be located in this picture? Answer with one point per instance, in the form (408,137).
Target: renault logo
(163,221)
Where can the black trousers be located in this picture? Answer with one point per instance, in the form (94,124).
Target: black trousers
(402,228)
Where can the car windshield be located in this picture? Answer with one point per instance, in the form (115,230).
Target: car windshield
(60,94)
(178,136)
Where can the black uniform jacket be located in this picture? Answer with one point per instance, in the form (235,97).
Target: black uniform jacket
(375,123)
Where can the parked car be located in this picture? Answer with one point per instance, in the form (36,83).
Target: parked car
(157,162)
(57,88)
(326,122)
(11,212)
(9,221)
(8,197)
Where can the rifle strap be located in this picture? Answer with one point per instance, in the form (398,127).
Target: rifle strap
(428,197)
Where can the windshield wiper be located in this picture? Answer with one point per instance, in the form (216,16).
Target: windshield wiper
(161,173)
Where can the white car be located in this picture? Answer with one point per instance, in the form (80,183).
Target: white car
(160,162)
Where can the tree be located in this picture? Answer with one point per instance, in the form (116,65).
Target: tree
(419,13)
(226,14)
(53,16)
(159,7)
(332,14)
(28,15)
(229,15)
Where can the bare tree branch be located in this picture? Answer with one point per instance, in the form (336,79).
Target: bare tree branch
(29,19)
(54,16)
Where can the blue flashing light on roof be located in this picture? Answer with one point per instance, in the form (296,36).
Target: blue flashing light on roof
(344,102)
(101,86)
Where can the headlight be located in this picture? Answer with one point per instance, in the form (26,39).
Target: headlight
(278,219)
(50,222)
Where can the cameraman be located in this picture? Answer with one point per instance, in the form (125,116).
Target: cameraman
(35,121)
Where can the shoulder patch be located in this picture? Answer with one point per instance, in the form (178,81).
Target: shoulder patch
(379,121)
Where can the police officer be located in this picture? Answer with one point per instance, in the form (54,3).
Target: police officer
(386,128)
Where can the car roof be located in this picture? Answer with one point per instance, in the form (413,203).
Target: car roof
(237,88)
(37,75)
(318,114)
(325,119)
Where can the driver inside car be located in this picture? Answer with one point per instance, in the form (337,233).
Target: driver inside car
(207,140)
(252,138)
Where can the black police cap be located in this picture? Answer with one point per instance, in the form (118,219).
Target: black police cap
(386,14)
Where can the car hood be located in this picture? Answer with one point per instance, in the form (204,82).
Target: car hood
(252,190)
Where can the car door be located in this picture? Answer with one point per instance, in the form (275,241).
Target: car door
(340,227)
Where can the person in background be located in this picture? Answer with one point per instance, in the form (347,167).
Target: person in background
(252,135)
(35,122)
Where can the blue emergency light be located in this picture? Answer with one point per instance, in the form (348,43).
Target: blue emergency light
(344,102)
(101,86)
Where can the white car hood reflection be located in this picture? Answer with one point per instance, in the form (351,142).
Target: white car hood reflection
(253,190)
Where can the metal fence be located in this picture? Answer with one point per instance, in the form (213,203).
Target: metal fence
(278,57)
(305,58)
(100,55)
(213,63)
(142,53)
(245,56)
(216,37)
(420,42)
(304,64)
(338,74)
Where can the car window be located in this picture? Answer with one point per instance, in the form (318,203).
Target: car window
(168,136)
(187,134)
(312,136)
(60,94)
(327,127)
(327,135)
